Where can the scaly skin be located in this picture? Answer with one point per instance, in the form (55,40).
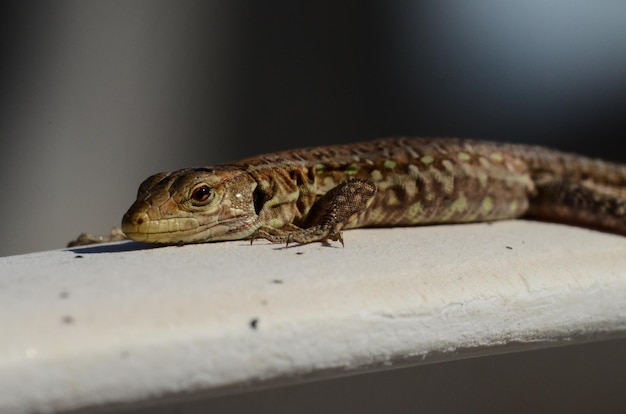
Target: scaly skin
(312,194)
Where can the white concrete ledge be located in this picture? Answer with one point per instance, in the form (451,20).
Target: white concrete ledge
(118,323)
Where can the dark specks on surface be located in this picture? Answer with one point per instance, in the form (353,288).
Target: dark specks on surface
(509,247)
(277,281)
(64,295)
(254,323)
(78,256)
(299,252)
(67,320)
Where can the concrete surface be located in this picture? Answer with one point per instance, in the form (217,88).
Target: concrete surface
(120,323)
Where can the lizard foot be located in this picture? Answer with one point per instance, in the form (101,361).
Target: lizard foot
(328,216)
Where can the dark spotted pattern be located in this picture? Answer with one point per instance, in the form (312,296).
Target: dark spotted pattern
(312,194)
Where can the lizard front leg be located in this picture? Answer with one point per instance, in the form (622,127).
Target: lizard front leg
(328,215)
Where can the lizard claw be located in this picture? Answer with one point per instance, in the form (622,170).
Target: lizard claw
(253,237)
(337,237)
(289,239)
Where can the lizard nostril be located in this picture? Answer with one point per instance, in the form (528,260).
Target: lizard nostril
(140,221)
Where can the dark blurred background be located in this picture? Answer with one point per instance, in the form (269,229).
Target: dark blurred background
(96,96)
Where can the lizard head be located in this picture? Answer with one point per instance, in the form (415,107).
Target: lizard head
(191,206)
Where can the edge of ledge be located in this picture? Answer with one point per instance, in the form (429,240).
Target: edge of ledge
(120,323)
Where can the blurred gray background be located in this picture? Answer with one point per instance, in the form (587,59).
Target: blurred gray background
(96,96)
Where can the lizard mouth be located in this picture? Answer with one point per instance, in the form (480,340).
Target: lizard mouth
(140,227)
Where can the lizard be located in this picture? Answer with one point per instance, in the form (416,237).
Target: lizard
(312,194)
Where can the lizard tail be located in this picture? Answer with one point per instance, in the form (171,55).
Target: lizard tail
(577,190)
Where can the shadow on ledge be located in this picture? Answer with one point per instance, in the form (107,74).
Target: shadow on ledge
(117,247)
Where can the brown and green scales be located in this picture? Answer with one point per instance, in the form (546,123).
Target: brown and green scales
(312,194)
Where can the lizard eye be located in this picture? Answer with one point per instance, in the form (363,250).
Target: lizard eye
(201,193)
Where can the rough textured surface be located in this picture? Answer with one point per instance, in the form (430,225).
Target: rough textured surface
(118,325)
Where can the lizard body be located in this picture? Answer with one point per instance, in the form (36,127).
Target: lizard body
(313,193)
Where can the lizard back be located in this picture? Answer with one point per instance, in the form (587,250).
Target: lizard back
(422,181)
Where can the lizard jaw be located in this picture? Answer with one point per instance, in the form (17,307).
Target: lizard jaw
(146,224)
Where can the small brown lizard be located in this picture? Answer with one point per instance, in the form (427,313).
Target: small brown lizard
(312,194)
